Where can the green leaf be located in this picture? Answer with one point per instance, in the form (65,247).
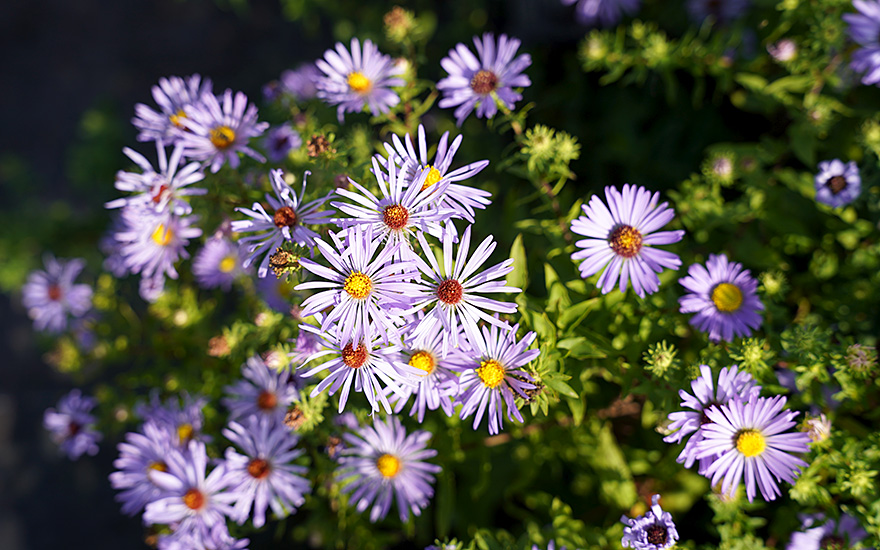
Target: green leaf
(519,277)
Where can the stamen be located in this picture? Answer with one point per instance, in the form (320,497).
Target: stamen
(160,193)
(432,178)
(285,217)
(54,293)
(185,432)
(388,465)
(358,285)
(750,442)
(836,184)
(395,217)
(423,360)
(227,264)
(450,292)
(491,373)
(657,534)
(484,82)
(258,468)
(162,235)
(354,357)
(158,466)
(267,400)
(222,137)
(194,499)
(175,119)
(359,83)
(625,241)
(727,297)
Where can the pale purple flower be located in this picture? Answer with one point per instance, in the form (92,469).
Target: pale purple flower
(864,29)
(218,263)
(215,538)
(838,183)
(300,82)
(381,464)
(821,534)
(162,191)
(280,141)
(603,12)
(51,297)
(307,343)
(173,95)
(476,82)
(621,238)
(653,531)
(263,392)
(138,455)
(72,426)
(182,420)
(152,243)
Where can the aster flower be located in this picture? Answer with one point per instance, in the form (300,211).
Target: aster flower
(173,95)
(263,392)
(732,383)
(602,12)
(621,239)
(457,289)
(837,184)
(50,296)
(183,421)
(218,263)
(280,141)
(724,297)
(161,191)
(358,79)
(263,477)
(138,455)
(71,425)
(461,199)
(218,133)
(215,538)
(278,294)
(365,286)
(819,534)
(287,223)
(749,440)
(492,376)
(478,82)
(383,463)
(152,243)
(864,29)
(300,83)
(722,12)
(653,531)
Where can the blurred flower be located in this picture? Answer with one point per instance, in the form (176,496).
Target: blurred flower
(218,263)
(72,427)
(783,51)
(620,239)
(50,296)
(140,453)
(724,297)
(837,184)
(602,12)
(215,538)
(817,427)
(819,534)
(263,392)
(864,29)
(358,79)
(653,531)
(861,359)
(723,11)
(280,141)
(162,191)
(477,83)
(383,464)
(173,95)
(183,422)
(307,343)
(300,83)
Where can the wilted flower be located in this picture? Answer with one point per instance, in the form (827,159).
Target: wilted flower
(50,296)
(653,531)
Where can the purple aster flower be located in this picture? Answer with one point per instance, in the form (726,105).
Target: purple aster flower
(307,343)
(300,83)
(264,392)
(72,427)
(731,384)
(173,96)
(864,29)
(278,294)
(653,531)
(837,184)
(358,79)
(163,190)
(492,376)
(383,463)
(218,263)
(456,289)
(286,223)
(217,133)
(366,290)
(479,83)
(461,199)
(183,421)
(138,455)
(280,141)
(195,501)
(748,440)
(621,239)
(264,477)
(722,11)
(215,538)
(603,12)
(819,534)
(152,243)
(50,295)
(151,288)
(724,297)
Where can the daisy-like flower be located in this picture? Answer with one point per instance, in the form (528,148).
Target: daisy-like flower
(383,464)
(307,343)
(732,383)
(749,440)
(72,426)
(300,83)
(173,96)
(653,531)
(457,289)
(215,538)
(218,263)
(602,12)
(837,184)
(724,297)
(263,392)
(406,207)
(218,133)
(196,501)
(50,296)
(183,422)
(152,243)
(864,29)
(722,12)
(287,222)
(138,455)
(459,198)
(478,81)
(621,239)
(280,141)
(263,476)
(161,191)
(492,376)
(366,287)
(361,78)
(819,534)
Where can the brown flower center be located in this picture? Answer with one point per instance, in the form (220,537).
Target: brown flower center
(73,428)
(395,217)
(450,291)
(54,293)
(354,357)
(258,468)
(625,241)
(657,534)
(484,82)
(836,184)
(160,193)
(267,400)
(285,217)
(194,499)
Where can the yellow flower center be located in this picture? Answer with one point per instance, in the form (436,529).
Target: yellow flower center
(358,285)
(727,297)
(227,264)
(423,360)
(359,83)
(158,466)
(222,137)
(162,235)
(388,465)
(750,442)
(433,177)
(185,432)
(625,241)
(491,373)
(175,118)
